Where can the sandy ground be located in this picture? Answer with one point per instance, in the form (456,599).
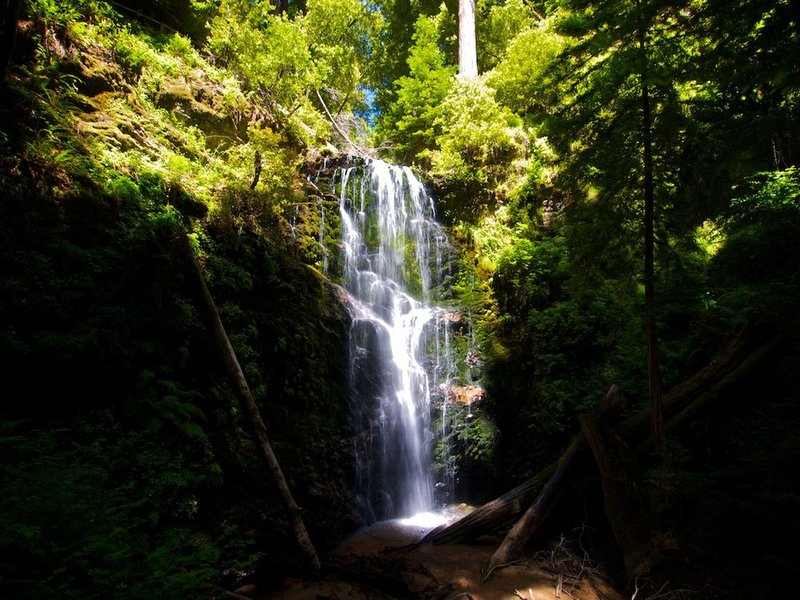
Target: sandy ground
(383,562)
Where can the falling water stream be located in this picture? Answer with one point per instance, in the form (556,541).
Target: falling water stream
(400,354)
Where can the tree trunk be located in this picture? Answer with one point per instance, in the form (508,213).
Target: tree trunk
(467,47)
(712,381)
(237,376)
(280,7)
(491,514)
(256,170)
(9,16)
(716,389)
(624,506)
(515,540)
(738,358)
(656,409)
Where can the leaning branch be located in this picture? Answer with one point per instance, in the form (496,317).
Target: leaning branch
(223,343)
(362,152)
(533,519)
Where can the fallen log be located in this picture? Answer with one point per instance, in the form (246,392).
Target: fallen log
(624,506)
(512,503)
(728,379)
(726,369)
(709,383)
(534,517)
(636,429)
(483,518)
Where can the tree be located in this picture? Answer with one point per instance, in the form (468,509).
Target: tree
(625,69)
(653,374)
(411,121)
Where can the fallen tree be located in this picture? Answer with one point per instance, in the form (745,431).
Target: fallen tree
(624,509)
(236,374)
(534,517)
(739,358)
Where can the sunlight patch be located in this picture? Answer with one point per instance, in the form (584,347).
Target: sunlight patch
(425,520)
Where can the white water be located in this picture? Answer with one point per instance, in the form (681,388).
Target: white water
(399,349)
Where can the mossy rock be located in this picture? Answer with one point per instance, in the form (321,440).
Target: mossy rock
(200,105)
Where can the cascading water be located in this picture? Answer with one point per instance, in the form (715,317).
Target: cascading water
(399,343)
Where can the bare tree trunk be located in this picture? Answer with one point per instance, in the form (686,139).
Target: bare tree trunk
(495,513)
(624,505)
(492,514)
(654,377)
(467,47)
(256,170)
(280,6)
(511,547)
(237,376)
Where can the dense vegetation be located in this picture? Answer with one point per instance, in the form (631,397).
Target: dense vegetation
(128,468)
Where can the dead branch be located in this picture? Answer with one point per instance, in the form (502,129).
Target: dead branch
(231,362)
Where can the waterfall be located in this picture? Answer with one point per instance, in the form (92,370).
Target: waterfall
(393,252)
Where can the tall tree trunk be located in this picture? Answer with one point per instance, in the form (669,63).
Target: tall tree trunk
(656,408)
(280,6)
(237,376)
(467,47)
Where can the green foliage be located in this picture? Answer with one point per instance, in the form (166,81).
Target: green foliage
(270,52)
(59,14)
(483,146)
(518,74)
(342,37)
(497,24)
(412,125)
(286,60)
(465,451)
(754,272)
(70,529)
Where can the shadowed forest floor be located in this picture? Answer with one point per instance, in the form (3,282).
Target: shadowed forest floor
(382,562)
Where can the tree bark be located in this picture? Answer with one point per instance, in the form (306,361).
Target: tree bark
(624,505)
(682,402)
(257,166)
(654,377)
(515,540)
(716,389)
(491,514)
(636,430)
(710,382)
(228,354)
(467,47)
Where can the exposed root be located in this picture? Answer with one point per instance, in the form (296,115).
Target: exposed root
(486,574)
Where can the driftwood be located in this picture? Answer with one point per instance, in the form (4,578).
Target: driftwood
(228,354)
(535,516)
